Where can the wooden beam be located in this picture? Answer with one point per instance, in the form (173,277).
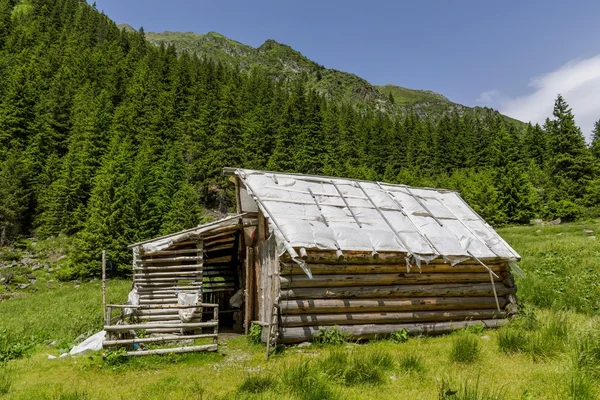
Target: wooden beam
(323,306)
(288,269)
(433,290)
(371,331)
(328,281)
(185,349)
(388,317)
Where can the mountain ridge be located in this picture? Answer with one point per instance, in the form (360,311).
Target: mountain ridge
(285,63)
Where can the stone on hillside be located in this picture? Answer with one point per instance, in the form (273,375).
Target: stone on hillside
(556,221)
(536,222)
(23,285)
(304,344)
(588,231)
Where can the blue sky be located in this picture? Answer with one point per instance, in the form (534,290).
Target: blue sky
(511,55)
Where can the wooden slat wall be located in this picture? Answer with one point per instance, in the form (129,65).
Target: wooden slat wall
(366,299)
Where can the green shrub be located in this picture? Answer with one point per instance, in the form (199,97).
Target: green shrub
(12,348)
(400,336)
(411,363)
(465,348)
(255,334)
(256,384)
(330,336)
(10,255)
(305,382)
(115,357)
(477,329)
(512,340)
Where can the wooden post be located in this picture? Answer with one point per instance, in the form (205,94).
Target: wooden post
(249,292)
(216,319)
(104,287)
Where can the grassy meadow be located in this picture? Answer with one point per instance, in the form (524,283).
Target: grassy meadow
(550,351)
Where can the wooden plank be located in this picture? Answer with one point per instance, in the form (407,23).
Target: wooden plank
(170,259)
(185,349)
(366,257)
(181,267)
(172,338)
(293,307)
(433,290)
(303,281)
(172,252)
(119,328)
(330,269)
(388,317)
(371,331)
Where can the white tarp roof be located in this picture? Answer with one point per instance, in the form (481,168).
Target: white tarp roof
(164,242)
(333,213)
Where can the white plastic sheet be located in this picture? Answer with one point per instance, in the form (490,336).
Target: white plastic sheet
(93,343)
(308,211)
(187,299)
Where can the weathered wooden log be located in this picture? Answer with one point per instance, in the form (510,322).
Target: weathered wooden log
(182,267)
(144,274)
(342,269)
(171,338)
(185,349)
(170,252)
(434,290)
(366,257)
(169,260)
(322,281)
(388,317)
(387,305)
(217,260)
(182,325)
(371,331)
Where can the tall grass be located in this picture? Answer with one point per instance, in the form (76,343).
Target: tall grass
(411,363)
(256,384)
(355,367)
(465,348)
(467,390)
(305,382)
(5,380)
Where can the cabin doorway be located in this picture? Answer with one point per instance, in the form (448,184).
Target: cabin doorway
(222,278)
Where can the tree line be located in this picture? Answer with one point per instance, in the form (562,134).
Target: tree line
(110,139)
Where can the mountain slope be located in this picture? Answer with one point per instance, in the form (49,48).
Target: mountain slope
(284,63)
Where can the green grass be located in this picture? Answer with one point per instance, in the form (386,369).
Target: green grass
(465,348)
(550,351)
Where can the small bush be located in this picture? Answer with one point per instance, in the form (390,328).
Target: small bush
(255,334)
(512,341)
(400,336)
(477,329)
(256,384)
(465,348)
(116,357)
(411,363)
(330,336)
(304,382)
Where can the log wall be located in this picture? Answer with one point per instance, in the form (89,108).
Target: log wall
(367,299)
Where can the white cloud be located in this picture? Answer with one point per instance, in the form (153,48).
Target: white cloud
(579,83)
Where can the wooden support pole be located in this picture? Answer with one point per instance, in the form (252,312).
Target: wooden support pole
(104,311)
(249,290)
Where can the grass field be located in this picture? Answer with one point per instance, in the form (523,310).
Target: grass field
(551,351)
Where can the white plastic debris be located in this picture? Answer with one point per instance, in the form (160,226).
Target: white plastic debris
(134,299)
(187,299)
(93,343)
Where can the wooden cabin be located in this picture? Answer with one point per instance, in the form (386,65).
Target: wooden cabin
(305,253)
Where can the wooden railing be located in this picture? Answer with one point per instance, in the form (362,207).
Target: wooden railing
(116,328)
